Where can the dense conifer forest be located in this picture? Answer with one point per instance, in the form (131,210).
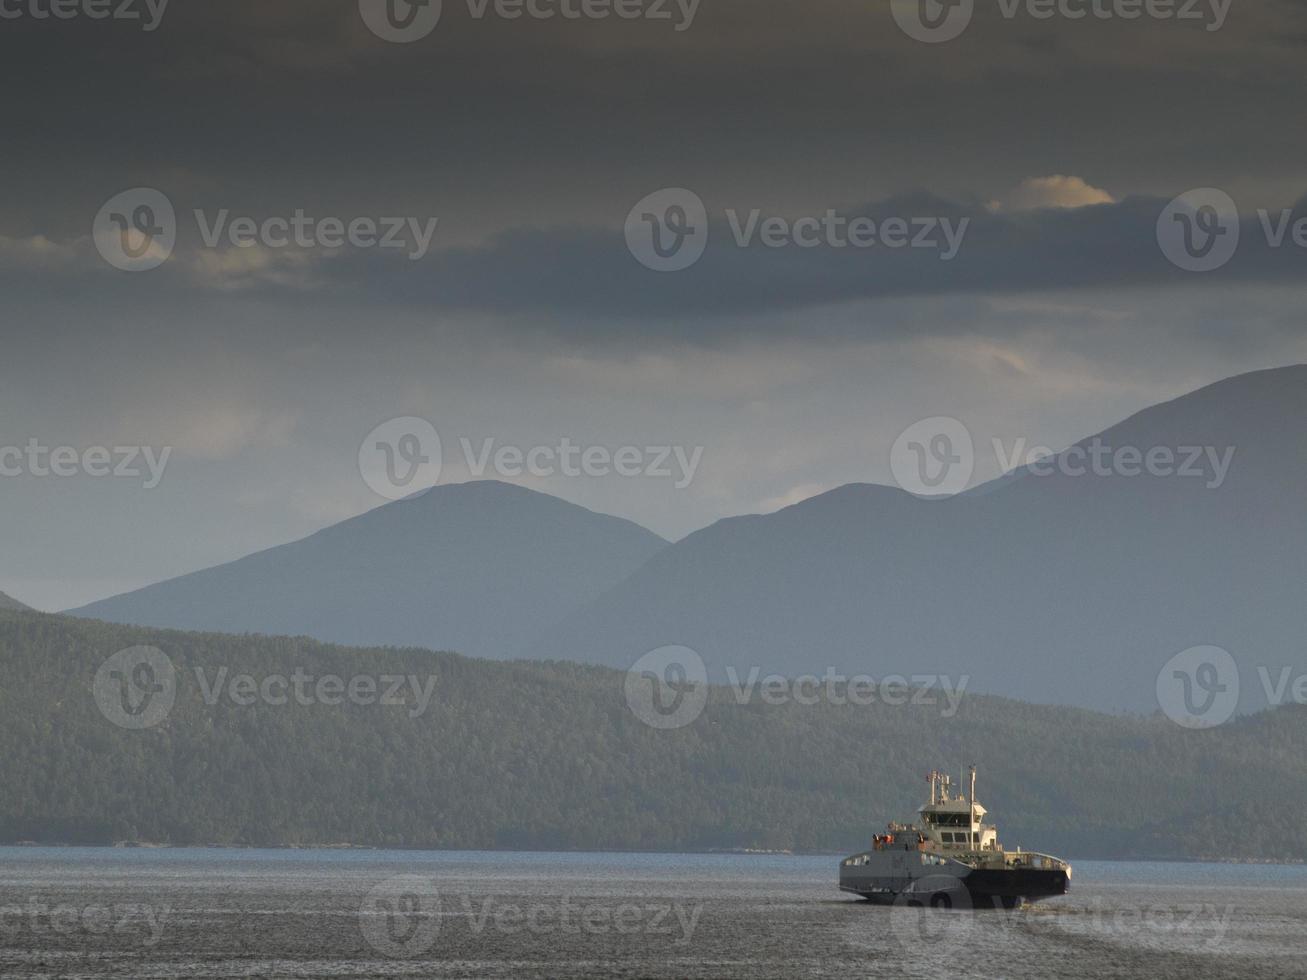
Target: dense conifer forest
(550,756)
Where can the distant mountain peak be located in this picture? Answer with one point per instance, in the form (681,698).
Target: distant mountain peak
(8,602)
(480,568)
(1059,586)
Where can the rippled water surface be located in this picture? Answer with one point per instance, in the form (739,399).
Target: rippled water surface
(234,913)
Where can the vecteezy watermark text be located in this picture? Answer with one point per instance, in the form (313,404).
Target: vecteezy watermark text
(834,230)
(305,689)
(136,230)
(937,457)
(406,455)
(936,21)
(403,917)
(571,459)
(836,688)
(1098,458)
(149,13)
(137,688)
(37,918)
(668,231)
(406,21)
(569,916)
(679,13)
(120,462)
(301,230)
(1179,928)
(668,688)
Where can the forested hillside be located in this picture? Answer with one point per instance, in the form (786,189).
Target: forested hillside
(516,755)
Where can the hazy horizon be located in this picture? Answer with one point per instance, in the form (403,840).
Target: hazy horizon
(671,514)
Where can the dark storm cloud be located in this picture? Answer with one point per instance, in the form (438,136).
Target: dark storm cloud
(572,272)
(578,277)
(497,125)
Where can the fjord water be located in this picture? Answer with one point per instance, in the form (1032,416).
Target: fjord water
(197,913)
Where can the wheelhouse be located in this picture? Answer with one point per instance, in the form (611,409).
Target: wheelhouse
(956,822)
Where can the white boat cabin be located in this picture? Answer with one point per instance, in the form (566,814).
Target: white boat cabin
(955,822)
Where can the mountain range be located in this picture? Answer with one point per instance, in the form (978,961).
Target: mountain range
(1047,585)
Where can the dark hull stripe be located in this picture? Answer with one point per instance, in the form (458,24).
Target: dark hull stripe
(985,888)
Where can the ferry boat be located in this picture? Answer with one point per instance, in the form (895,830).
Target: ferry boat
(951,858)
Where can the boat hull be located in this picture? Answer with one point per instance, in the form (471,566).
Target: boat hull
(1015,884)
(959,886)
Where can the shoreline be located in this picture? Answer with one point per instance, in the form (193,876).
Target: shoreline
(736,852)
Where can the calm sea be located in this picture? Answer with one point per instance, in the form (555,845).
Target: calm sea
(237,913)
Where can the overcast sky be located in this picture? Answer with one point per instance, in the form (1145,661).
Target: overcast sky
(1052,145)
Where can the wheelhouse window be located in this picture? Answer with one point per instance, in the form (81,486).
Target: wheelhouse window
(949,819)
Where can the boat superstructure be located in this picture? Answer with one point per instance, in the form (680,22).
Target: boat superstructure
(951,857)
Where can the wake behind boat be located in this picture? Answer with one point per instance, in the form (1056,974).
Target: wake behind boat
(951,858)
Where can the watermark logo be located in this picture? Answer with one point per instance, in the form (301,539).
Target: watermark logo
(937,457)
(667,688)
(835,688)
(926,920)
(302,230)
(933,457)
(1099,458)
(1186,928)
(410,691)
(136,688)
(1199,687)
(406,21)
(401,21)
(136,230)
(401,457)
(121,462)
(667,231)
(148,13)
(834,230)
(932,21)
(40,918)
(400,918)
(934,911)
(935,21)
(1284,687)
(572,459)
(1199,230)
(569,917)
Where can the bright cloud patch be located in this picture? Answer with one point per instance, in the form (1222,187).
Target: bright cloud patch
(1057,191)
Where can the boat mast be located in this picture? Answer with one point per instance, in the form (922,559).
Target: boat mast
(972,836)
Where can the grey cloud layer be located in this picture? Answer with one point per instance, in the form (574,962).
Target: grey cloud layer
(497,125)
(576,275)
